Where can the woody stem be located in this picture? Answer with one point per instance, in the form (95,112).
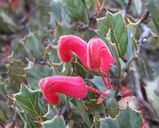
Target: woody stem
(97,91)
(102,76)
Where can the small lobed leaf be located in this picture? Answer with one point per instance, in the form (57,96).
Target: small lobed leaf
(76,10)
(56,122)
(6,22)
(97,80)
(34,72)
(28,101)
(15,74)
(27,47)
(112,108)
(127,118)
(83,113)
(116,24)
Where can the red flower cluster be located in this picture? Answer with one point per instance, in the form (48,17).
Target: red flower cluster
(94,55)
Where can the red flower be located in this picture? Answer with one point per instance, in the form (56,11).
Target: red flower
(145,125)
(72,86)
(94,55)
(99,55)
(72,44)
(126,92)
(15,3)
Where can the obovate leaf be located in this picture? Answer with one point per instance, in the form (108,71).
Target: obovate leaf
(127,118)
(56,122)
(115,23)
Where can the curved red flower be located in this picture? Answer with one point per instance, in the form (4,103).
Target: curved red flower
(72,86)
(99,55)
(94,55)
(72,44)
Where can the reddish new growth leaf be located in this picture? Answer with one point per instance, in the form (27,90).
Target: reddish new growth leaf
(99,55)
(72,44)
(72,86)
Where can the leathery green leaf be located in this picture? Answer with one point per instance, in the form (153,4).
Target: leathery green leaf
(127,118)
(56,122)
(116,24)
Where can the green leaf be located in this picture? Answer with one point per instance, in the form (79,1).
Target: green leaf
(97,80)
(34,72)
(56,122)
(127,118)
(28,102)
(153,6)
(16,68)
(83,113)
(6,22)
(115,23)
(112,107)
(58,14)
(76,10)
(51,112)
(32,44)
(27,47)
(16,73)
(138,6)
(116,69)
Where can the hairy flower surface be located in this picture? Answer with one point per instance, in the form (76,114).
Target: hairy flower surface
(72,86)
(99,55)
(94,55)
(69,44)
